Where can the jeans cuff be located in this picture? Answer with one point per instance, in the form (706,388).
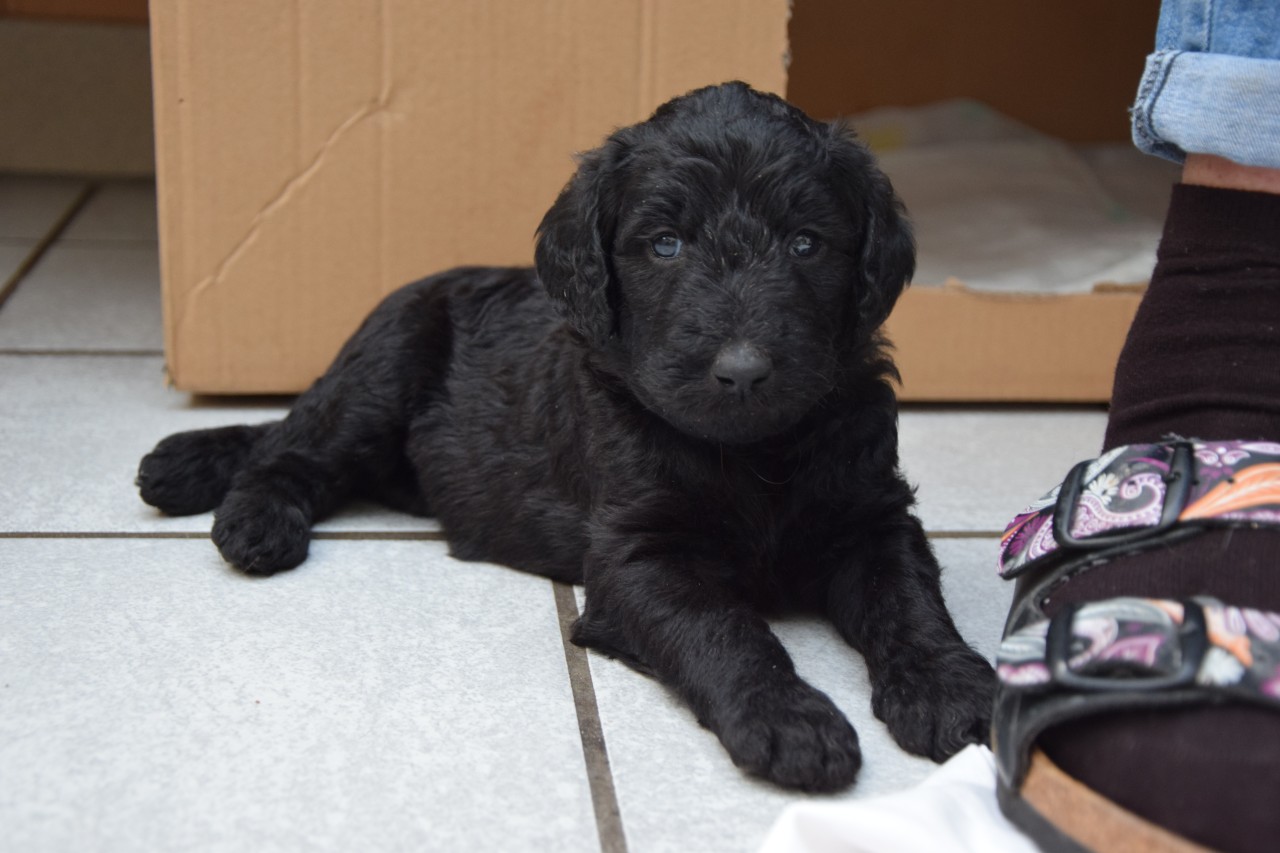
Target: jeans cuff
(1209,103)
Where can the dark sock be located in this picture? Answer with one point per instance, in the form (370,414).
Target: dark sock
(1203,355)
(1202,360)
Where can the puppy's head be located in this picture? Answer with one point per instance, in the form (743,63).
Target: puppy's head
(728,257)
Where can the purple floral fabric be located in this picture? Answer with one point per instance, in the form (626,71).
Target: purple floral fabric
(1137,637)
(1124,489)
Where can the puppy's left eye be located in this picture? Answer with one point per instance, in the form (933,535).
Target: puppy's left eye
(667,245)
(804,245)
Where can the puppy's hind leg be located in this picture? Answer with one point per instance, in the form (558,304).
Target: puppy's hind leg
(190,472)
(344,437)
(302,470)
(263,525)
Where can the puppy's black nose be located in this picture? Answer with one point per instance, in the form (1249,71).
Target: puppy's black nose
(741,367)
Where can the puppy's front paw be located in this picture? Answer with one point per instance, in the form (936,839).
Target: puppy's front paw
(260,534)
(937,705)
(793,736)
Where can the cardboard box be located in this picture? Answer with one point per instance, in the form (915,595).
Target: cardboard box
(312,157)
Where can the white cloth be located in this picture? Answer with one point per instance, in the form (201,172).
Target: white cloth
(1004,208)
(952,811)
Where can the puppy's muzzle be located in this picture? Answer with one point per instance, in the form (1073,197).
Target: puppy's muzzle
(741,369)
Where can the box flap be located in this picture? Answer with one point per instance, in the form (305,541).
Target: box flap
(956,344)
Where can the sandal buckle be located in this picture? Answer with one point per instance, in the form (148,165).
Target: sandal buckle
(1193,643)
(1178,482)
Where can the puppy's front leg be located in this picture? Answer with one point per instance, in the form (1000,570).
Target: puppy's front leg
(931,690)
(666,614)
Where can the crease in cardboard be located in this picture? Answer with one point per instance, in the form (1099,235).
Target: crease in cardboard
(370,110)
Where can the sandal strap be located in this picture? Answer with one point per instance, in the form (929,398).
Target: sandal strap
(1124,653)
(1144,644)
(1136,496)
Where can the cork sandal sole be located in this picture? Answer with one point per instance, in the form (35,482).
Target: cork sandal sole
(1065,816)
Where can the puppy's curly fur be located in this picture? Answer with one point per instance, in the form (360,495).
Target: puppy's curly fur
(685,407)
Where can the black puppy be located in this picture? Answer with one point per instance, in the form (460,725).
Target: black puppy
(686,407)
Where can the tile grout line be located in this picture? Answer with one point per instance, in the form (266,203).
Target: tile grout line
(51,236)
(369,535)
(92,353)
(604,797)
(326,535)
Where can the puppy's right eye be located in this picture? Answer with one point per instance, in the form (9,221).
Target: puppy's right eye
(805,245)
(667,245)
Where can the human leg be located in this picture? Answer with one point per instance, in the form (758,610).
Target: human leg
(1200,361)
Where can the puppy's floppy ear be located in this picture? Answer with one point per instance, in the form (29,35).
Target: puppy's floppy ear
(574,242)
(888,252)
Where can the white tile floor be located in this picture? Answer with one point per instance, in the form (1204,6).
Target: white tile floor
(383,696)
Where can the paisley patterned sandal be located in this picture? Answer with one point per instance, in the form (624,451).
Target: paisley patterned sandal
(1123,653)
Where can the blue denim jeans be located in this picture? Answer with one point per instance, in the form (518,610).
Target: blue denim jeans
(1213,84)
